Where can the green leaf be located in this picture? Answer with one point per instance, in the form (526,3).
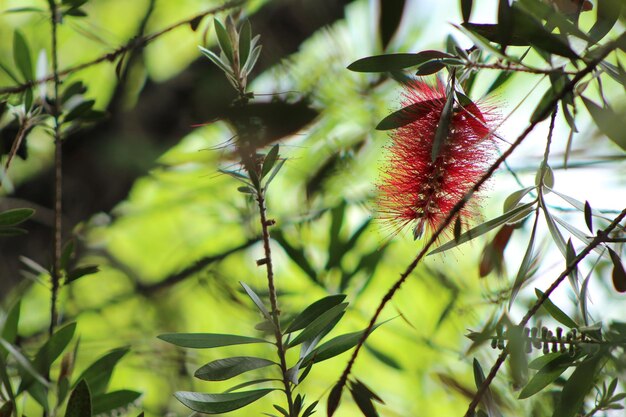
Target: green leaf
(224,40)
(257,301)
(479,375)
(254,56)
(320,324)
(588,216)
(512,200)
(12,231)
(557,237)
(313,311)
(390,17)
(53,348)
(395,62)
(336,346)
(5,380)
(245,37)
(79,404)
(216,60)
(405,115)
(466,9)
(609,122)
(546,375)
(527,261)
(98,374)
(80,272)
(484,228)
(608,13)
(24,363)
(556,312)
(363,399)
(443,127)
(220,403)
(430,67)
(333,399)
(207,340)
(577,387)
(223,369)
(79,110)
(113,400)
(14,217)
(619,274)
(269,161)
(10,324)
(21,55)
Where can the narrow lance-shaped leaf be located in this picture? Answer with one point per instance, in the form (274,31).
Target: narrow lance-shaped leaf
(21,55)
(619,274)
(14,217)
(207,340)
(394,62)
(98,374)
(220,403)
(79,404)
(525,265)
(546,375)
(556,312)
(443,127)
(113,401)
(257,301)
(484,228)
(223,369)
(319,324)
(313,311)
(405,115)
(609,122)
(577,386)
(245,38)
(224,40)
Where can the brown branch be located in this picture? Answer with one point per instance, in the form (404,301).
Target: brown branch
(518,68)
(135,43)
(600,238)
(273,299)
(458,207)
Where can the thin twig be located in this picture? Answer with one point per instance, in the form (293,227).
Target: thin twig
(135,43)
(517,68)
(457,208)
(58,173)
(273,299)
(600,238)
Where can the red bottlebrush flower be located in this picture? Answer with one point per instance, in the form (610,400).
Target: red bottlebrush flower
(416,190)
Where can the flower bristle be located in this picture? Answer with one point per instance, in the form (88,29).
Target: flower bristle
(414,189)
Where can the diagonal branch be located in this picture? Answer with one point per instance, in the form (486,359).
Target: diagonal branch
(459,206)
(600,238)
(135,43)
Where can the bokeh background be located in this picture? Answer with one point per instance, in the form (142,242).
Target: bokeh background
(173,237)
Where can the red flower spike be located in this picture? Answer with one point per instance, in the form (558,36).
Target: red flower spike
(416,190)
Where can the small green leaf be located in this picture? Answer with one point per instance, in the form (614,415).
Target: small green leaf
(12,231)
(394,62)
(430,67)
(363,398)
(443,127)
(320,324)
(207,340)
(79,404)
(98,374)
(546,375)
(220,403)
(224,40)
(557,237)
(609,122)
(466,9)
(512,200)
(336,346)
(479,375)
(556,312)
(216,60)
(619,274)
(223,369)
(389,19)
(269,161)
(405,115)
(577,387)
(608,13)
(245,38)
(21,55)
(484,228)
(313,311)
(333,399)
(79,110)
(10,324)
(588,216)
(257,301)
(527,261)
(113,400)
(53,348)
(80,272)
(14,217)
